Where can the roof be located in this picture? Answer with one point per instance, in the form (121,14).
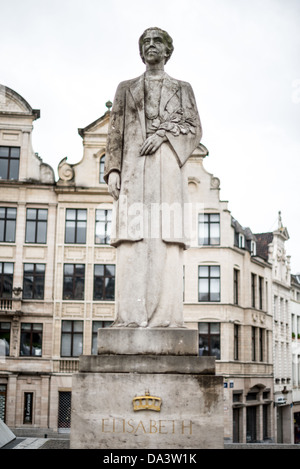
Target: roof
(262,244)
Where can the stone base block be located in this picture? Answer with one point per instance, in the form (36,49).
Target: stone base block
(146,410)
(156,341)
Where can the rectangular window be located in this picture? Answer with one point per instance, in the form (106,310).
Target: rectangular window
(4,339)
(236,274)
(103,226)
(31,339)
(73,288)
(3,391)
(209,283)
(9,162)
(28,406)
(104,282)
(71,338)
(98,325)
(8,218)
(34,281)
(209,229)
(209,339)
(261,344)
(36,225)
(253,290)
(253,340)
(236,342)
(76,220)
(6,279)
(261,291)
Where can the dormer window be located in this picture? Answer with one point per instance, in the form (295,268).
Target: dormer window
(241,240)
(253,248)
(9,162)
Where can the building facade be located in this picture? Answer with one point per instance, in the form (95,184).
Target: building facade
(295,327)
(58,283)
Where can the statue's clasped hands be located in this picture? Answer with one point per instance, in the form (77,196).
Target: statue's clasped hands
(152,143)
(150,146)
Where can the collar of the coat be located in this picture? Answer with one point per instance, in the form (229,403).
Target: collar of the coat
(169,88)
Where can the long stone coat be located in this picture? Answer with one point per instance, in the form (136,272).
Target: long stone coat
(178,117)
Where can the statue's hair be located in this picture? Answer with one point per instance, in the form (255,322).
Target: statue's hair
(166,37)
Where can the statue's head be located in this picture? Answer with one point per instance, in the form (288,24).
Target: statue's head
(166,38)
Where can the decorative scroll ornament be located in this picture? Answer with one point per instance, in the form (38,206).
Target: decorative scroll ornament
(147,402)
(65,170)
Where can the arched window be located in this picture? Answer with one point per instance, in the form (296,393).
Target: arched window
(101,170)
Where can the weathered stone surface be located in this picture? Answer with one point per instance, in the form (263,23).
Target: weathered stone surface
(147,341)
(6,435)
(103,415)
(146,364)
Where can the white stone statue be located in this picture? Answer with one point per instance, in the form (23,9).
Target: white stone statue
(154,128)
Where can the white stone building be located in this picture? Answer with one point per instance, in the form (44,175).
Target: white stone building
(295,327)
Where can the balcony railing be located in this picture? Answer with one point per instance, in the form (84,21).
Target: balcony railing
(6,304)
(66,365)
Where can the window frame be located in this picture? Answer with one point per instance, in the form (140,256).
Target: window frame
(4,275)
(209,279)
(101,169)
(37,223)
(35,275)
(10,159)
(5,332)
(210,337)
(75,231)
(107,225)
(31,333)
(72,333)
(209,223)
(76,275)
(104,277)
(6,220)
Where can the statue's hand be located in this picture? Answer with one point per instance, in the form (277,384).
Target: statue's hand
(152,144)
(114,184)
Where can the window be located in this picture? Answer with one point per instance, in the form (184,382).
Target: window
(33,281)
(9,162)
(36,225)
(6,279)
(261,344)
(101,170)
(253,340)
(4,339)
(253,248)
(209,339)
(209,283)
(241,241)
(73,288)
(75,226)
(7,224)
(236,342)
(103,226)
(209,229)
(104,282)
(71,338)
(98,325)
(260,288)
(31,339)
(236,274)
(28,406)
(253,290)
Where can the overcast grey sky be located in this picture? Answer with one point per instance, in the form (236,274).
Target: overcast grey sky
(242,58)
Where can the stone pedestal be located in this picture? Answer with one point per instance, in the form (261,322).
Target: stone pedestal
(147,389)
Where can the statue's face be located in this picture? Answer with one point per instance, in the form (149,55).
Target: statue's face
(154,48)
